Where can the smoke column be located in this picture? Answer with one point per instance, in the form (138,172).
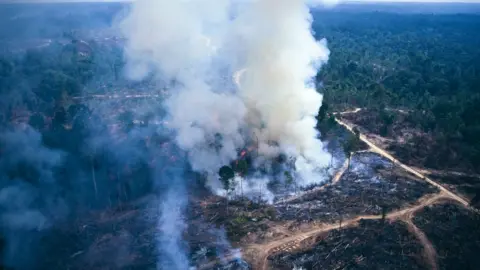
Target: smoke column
(282,57)
(201,46)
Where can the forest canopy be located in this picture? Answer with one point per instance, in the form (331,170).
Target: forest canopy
(426,64)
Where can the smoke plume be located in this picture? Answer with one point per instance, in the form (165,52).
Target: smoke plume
(242,75)
(282,57)
(267,46)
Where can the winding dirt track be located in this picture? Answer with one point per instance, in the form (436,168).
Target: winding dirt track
(258,254)
(380,151)
(429,252)
(294,242)
(262,252)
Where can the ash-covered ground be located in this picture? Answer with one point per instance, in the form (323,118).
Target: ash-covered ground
(454,232)
(371,245)
(126,237)
(371,184)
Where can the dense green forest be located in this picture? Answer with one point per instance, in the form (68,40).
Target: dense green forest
(428,65)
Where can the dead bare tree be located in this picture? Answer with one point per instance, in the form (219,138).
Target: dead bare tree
(384,213)
(349,147)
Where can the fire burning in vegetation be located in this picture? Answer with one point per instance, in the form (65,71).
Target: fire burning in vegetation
(274,105)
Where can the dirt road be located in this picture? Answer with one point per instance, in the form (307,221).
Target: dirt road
(429,252)
(258,254)
(383,153)
(261,252)
(294,242)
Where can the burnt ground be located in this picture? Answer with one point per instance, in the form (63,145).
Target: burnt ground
(468,186)
(126,237)
(333,136)
(230,265)
(242,218)
(254,219)
(371,245)
(455,233)
(370,185)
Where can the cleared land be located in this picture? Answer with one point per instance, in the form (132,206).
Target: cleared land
(454,232)
(373,244)
(375,213)
(371,184)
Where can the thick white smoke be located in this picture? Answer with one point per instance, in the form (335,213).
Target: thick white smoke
(201,45)
(282,57)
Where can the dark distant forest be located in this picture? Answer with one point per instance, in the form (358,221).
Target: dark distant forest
(428,65)
(53,19)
